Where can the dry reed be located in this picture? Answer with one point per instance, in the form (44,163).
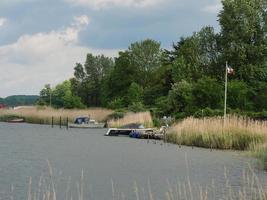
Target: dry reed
(138,118)
(34,114)
(250,188)
(234,133)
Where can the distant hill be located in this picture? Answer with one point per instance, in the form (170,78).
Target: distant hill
(19,100)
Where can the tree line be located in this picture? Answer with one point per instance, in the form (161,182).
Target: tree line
(187,79)
(19,100)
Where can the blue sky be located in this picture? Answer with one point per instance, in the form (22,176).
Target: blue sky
(41,40)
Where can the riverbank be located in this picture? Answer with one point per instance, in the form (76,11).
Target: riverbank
(234,133)
(43,115)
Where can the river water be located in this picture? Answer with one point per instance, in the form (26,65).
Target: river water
(114,167)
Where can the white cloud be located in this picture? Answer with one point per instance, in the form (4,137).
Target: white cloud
(82,20)
(2,21)
(98,4)
(214,8)
(34,60)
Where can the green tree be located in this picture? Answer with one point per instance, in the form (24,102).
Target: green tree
(146,56)
(62,97)
(239,95)
(88,79)
(260,96)
(243,37)
(208,92)
(45,94)
(195,56)
(135,93)
(180,96)
(120,79)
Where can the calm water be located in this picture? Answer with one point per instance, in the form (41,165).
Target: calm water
(25,149)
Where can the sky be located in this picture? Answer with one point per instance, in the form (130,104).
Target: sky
(42,40)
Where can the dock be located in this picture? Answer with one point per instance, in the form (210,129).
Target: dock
(147,133)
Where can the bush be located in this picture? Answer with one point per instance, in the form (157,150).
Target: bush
(208,92)
(180,96)
(116,103)
(207,112)
(137,107)
(162,107)
(118,114)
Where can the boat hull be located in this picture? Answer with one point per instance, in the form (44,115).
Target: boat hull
(98,125)
(16,121)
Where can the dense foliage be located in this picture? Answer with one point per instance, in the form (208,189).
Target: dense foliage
(186,80)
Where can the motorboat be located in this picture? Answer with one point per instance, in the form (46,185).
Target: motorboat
(85,122)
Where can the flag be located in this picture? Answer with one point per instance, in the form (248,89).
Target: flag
(230,70)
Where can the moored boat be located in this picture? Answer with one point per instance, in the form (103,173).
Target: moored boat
(85,122)
(17,120)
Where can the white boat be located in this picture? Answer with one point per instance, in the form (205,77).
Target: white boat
(126,131)
(85,122)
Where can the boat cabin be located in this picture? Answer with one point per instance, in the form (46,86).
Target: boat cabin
(82,120)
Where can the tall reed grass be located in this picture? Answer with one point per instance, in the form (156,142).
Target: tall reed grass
(250,189)
(260,152)
(138,118)
(235,133)
(43,115)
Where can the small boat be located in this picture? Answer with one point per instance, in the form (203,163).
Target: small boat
(126,131)
(85,122)
(16,120)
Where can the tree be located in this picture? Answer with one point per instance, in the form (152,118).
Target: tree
(120,79)
(243,37)
(88,79)
(135,94)
(180,96)
(64,98)
(260,96)
(239,95)
(146,56)
(207,92)
(196,56)
(45,94)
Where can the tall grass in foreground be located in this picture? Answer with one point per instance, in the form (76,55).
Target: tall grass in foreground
(139,118)
(235,133)
(250,189)
(43,115)
(260,152)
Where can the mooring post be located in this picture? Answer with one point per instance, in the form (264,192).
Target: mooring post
(60,122)
(52,122)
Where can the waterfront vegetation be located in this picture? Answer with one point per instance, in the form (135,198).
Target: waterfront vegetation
(136,118)
(43,115)
(235,133)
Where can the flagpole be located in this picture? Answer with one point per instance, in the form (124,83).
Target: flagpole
(225,91)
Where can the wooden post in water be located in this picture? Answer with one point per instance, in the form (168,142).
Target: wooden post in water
(67,125)
(60,122)
(52,122)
